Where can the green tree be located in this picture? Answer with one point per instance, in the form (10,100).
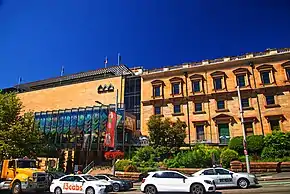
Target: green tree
(166,133)
(18,136)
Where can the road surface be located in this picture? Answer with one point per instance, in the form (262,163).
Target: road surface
(278,187)
(281,187)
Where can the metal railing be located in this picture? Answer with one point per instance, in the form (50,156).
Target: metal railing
(88,167)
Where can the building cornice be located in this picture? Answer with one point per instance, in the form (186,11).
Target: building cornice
(259,57)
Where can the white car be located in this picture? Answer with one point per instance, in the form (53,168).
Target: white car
(83,184)
(172,181)
(226,178)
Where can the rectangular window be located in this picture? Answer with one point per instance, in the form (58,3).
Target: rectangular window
(265,77)
(218,83)
(157,91)
(200,132)
(177,108)
(221,104)
(196,86)
(245,103)
(275,125)
(176,88)
(157,110)
(198,107)
(241,80)
(270,100)
(288,73)
(249,128)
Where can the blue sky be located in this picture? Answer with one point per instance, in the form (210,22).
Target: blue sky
(37,37)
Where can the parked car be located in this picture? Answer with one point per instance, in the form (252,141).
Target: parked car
(172,181)
(227,178)
(118,184)
(82,184)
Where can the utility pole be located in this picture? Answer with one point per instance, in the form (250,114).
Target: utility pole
(244,131)
(115,134)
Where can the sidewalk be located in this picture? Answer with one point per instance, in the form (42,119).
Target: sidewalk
(273,176)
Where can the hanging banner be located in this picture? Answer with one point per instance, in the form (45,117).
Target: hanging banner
(66,124)
(54,122)
(60,122)
(110,132)
(42,121)
(103,119)
(37,120)
(74,121)
(96,119)
(88,121)
(81,121)
(48,122)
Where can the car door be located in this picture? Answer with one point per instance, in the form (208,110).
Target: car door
(210,173)
(65,184)
(163,182)
(78,184)
(179,182)
(225,177)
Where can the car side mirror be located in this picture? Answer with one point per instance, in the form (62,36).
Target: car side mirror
(184,180)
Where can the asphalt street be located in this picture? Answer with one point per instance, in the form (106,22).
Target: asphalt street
(277,187)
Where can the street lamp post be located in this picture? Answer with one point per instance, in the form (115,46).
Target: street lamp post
(115,131)
(244,131)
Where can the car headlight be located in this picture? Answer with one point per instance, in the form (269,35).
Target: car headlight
(252,176)
(208,182)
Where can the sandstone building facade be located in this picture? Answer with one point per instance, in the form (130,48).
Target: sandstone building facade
(204,95)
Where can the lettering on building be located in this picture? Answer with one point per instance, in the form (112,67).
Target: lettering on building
(105,88)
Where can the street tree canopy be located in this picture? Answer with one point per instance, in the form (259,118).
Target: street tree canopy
(18,136)
(165,133)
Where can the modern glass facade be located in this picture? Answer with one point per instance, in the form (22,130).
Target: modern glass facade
(78,128)
(132,97)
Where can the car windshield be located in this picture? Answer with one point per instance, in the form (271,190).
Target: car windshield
(89,178)
(26,164)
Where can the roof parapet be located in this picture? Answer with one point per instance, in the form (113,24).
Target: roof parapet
(267,52)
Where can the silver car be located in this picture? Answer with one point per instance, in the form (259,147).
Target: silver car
(227,178)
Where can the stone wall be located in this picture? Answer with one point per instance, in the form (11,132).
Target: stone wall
(261,167)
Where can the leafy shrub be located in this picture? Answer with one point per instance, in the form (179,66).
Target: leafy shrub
(131,168)
(277,145)
(227,156)
(146,169)
(236,143)
(121,164)
(255,144)
(199,157)
(144,154)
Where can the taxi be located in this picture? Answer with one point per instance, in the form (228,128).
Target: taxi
(83,184)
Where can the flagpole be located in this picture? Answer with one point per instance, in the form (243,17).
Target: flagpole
(106,61)
(115,134)
(19,82)
(119,59)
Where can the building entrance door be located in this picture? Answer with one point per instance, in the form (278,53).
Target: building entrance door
(224,133)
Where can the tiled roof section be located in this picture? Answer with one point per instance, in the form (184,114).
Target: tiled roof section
(268,52)
(77,78)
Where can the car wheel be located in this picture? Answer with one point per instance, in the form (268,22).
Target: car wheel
(16,188)
(243,183)
(90,190)
(150,189)
(57,190)
(197,189)
(116,187)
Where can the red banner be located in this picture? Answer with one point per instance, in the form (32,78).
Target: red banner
(110,133)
